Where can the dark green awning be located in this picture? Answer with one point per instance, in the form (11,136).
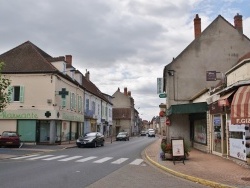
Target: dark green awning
(187,108)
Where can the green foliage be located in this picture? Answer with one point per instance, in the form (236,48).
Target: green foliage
(4,93)
(248,155)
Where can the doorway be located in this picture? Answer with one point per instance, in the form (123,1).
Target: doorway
(219,141)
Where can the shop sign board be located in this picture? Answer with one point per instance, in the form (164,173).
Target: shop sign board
(163,95)
(178,149)
(159,85)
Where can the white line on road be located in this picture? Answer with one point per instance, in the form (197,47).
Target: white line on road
(86,159)
(136,162)
(119,161)
(40,157)
(103,160)
(56,157)
(70,158)
(23,157)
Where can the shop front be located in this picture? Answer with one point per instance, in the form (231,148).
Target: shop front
(239,126)
(219,129)
(40,126)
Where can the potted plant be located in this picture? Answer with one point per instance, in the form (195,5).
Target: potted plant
(163,150)
(248,158)
(168,151)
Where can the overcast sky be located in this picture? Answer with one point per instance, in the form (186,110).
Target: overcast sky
(123,43)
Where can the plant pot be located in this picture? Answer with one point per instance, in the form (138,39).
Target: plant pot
(248,161)
(168,156)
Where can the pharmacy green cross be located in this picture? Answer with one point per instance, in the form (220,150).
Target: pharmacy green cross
(48,114)
(63,93)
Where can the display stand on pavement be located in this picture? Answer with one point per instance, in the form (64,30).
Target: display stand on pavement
(178,150)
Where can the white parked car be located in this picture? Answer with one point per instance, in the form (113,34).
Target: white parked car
(151,133)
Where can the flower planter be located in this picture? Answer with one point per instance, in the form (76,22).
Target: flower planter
(168,156)
(248,161)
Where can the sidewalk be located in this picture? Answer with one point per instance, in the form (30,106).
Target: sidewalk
(203,168)
(200,167)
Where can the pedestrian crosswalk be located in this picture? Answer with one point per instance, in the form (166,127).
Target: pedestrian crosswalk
(79,159)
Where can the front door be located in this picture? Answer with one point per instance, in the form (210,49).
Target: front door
(219,142)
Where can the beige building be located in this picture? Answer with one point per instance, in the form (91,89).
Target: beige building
(125,117)
(198,68)
(46,96)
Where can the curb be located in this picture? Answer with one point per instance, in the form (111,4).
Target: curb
(187,177)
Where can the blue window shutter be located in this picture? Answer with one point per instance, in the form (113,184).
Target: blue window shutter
(21,94)
(71,102)
(75,101)
(10,93)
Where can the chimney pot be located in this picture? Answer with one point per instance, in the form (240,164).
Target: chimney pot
(197,26)
(238,23)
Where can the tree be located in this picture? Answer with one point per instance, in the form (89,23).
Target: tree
(4,92)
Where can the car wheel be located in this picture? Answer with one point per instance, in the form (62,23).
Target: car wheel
(102,143)
(94,145)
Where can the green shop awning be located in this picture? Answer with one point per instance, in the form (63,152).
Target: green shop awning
(190,108)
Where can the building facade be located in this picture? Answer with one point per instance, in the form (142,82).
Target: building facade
(46,99)
(188,76)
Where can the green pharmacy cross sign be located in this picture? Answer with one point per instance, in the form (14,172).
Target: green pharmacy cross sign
(163,95)
(63,93)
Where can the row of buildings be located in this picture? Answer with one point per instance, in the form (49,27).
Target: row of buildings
(53,102)
(208,90)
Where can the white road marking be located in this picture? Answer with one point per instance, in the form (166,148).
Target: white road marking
(86,159)
(40,157)
(70,158)
(23,157)
(103,160)
(56,157)
(119,161)
(136,162)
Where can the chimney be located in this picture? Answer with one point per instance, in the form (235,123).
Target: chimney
(238,23)
(87,75)
(129,93)
(197,26)
(68,59)
(125,91)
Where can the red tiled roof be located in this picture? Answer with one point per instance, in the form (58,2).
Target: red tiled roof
(91,87)
(26,58)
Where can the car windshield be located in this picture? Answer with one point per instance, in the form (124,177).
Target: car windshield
(9,134)
(90,134)
(122,133)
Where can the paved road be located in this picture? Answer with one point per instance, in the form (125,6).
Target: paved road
(82,167)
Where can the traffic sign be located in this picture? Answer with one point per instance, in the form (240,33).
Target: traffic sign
(163,95)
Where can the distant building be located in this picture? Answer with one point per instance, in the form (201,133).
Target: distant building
(124,113)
